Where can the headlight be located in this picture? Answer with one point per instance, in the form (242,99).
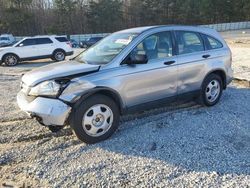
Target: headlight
(78,86)
(47,88)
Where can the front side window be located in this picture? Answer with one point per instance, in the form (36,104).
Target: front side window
(155,46)
(189,42)
(28,42)
(107,49)
(43,41)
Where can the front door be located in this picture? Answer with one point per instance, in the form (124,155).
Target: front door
(28,49)
(155,80)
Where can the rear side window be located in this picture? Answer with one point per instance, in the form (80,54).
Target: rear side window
(43,41)
(62,39)
(213,43)
(189,42)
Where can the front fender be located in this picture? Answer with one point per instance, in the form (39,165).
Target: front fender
(77,98)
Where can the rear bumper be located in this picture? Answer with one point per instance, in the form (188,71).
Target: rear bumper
(69,53)
(229,76)
(46,111)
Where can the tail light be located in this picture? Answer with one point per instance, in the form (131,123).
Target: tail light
(69,43)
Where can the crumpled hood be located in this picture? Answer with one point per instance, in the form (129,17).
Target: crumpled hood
(56,70)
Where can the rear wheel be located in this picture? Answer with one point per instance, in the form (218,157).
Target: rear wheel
(10,60)
(95,119)
(211,90)
(59,55)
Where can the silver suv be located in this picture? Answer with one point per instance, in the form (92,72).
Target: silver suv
(128,71)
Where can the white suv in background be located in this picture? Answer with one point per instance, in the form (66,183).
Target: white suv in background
(33,48)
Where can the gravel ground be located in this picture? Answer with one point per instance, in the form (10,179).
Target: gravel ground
(181,145)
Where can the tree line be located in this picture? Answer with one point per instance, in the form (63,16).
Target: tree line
(33,17)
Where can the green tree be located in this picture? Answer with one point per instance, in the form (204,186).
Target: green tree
(105,15)
(16,17)
(64,10)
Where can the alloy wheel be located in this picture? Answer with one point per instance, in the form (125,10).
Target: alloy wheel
(213,91)
(97,120)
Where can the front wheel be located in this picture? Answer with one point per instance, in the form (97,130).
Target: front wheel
(10,60)
(95,119)
(211,90)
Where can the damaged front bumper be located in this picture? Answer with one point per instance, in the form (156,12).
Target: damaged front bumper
(46,110)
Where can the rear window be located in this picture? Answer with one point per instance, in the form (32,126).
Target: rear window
(213,43)
(62,39)
(43,41)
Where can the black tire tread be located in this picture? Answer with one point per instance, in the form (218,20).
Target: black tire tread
(78,112)
(6,55)
(54,53)
(202,99)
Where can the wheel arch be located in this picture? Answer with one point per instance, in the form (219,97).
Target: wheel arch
(221,73)
(59,49)
(10,53)
(114,95)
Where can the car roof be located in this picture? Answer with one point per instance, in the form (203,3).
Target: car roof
(44,36)
(173,27)
(136,29)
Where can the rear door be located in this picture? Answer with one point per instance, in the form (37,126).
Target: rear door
(155,80)
(192,60)
(45,46)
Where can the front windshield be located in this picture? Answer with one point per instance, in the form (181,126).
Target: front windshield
(107,49)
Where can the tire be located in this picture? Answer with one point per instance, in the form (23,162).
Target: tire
(10,60)
(58,55)
(95,119)
(211,91)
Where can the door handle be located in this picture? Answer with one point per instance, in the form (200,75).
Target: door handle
(206,56)
(169,62)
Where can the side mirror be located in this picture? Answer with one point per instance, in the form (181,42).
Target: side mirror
(20,45)
(137,59)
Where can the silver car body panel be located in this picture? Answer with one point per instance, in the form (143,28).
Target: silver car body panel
(141,83)
(51,111)
(56,70)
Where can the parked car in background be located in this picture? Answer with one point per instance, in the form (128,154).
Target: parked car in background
(74,43)
(38,47)
(128,71)
(6,40)
(91,41)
